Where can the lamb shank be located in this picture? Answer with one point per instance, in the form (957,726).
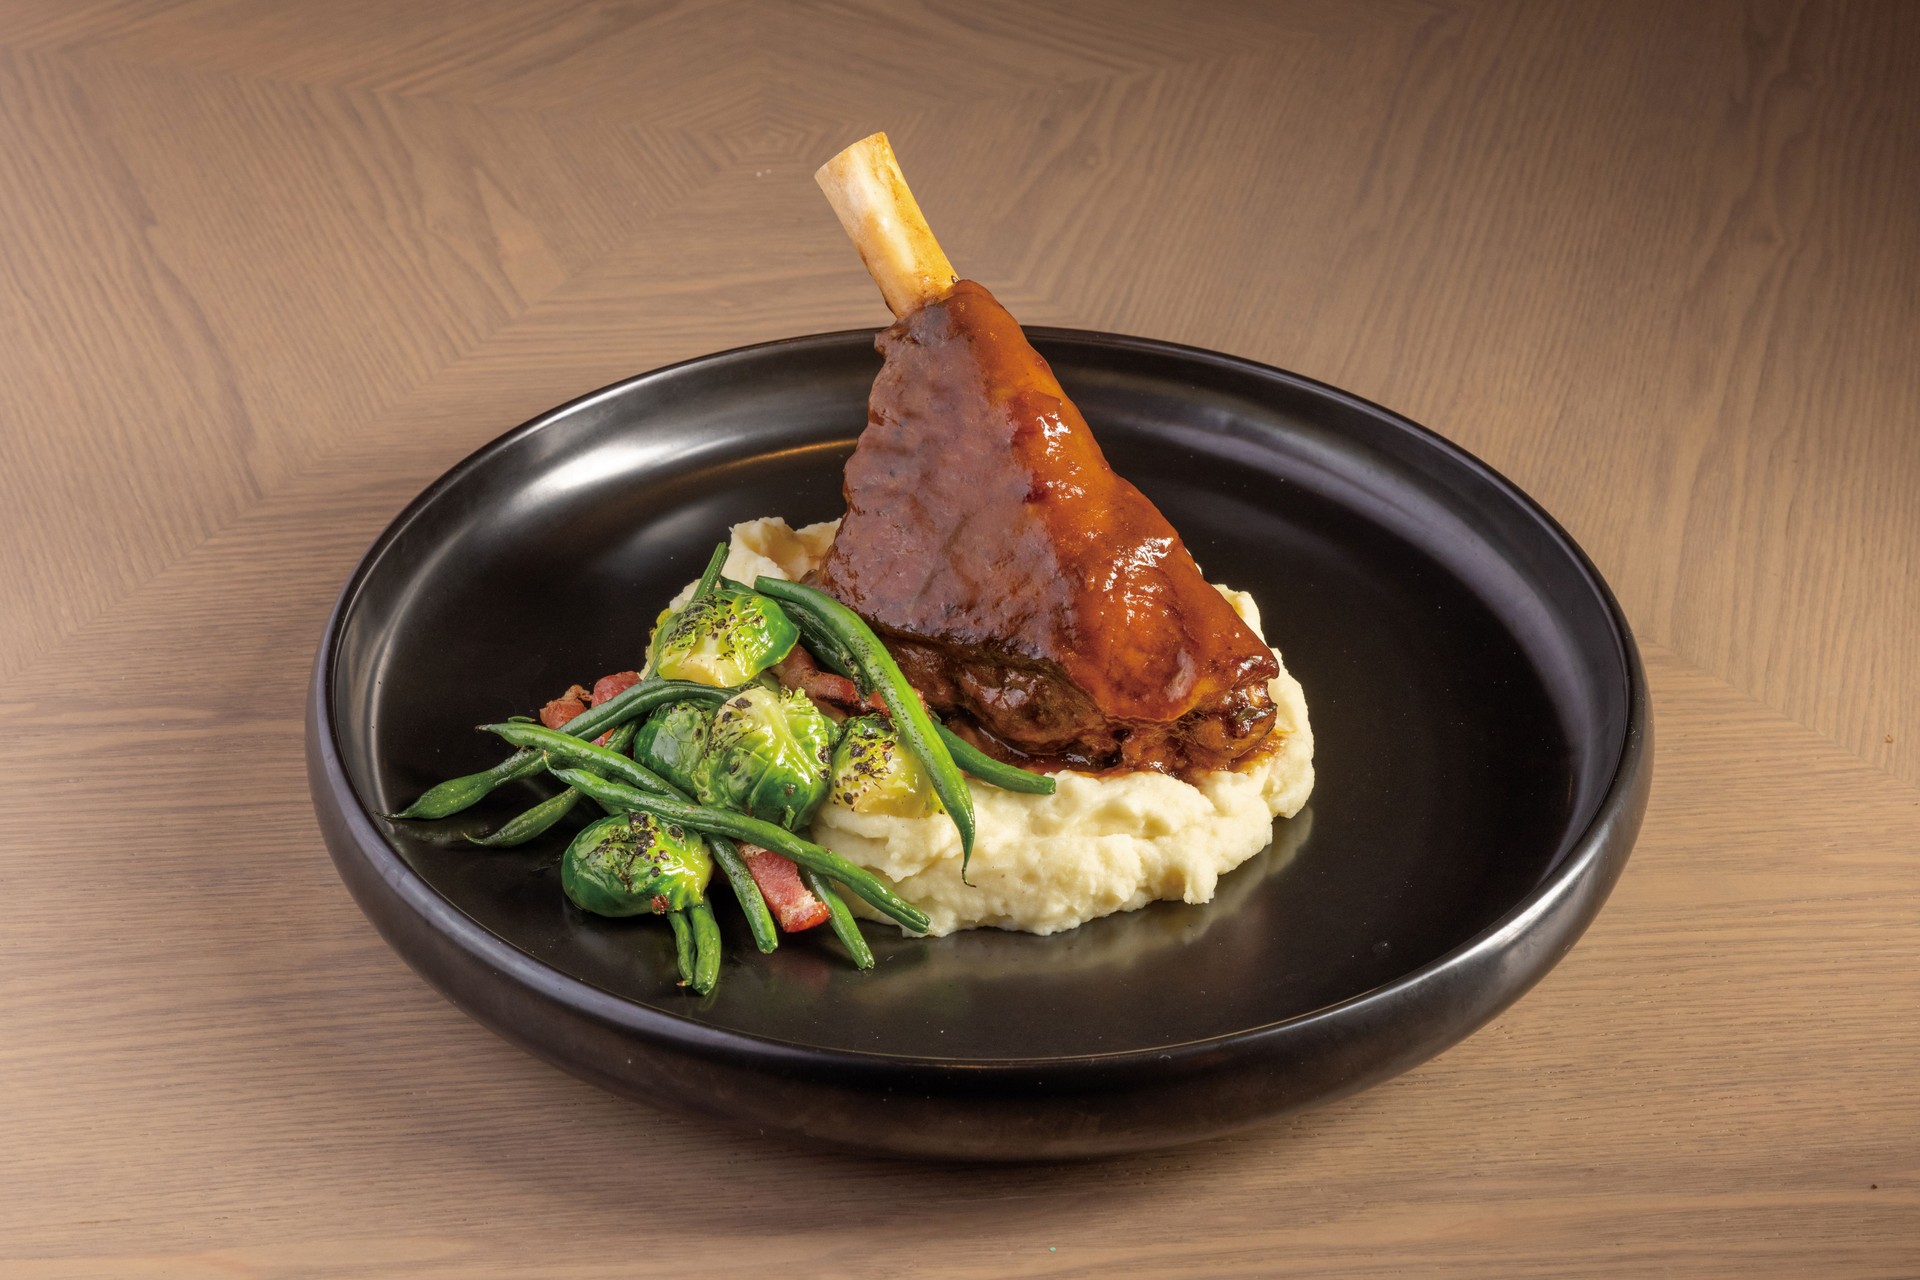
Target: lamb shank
(1033,597)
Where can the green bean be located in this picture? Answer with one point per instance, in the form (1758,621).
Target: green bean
(845,927)
(455,794)
(682,945)
(706,948)
(832,655)
(637,701)
(726,856)
(584,755)
(535,821)
(999,773)
(581,754)
(825,620)
(712,574)
(740,827)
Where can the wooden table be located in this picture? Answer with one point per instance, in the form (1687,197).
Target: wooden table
(268,268)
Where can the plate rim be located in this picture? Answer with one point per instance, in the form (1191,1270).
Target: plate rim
(1628,779)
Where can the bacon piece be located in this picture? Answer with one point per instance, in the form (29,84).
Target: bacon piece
(576,700)
(608,687)
(798,670)
(793,904)
(612,686)
(565,707)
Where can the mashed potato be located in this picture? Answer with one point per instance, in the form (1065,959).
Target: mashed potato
(1095,846)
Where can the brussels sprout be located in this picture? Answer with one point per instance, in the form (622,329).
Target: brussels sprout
(873,773)
(634,863)
(673,741)
(767,756)
(724,637)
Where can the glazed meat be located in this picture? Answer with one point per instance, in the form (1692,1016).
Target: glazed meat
(1029,593)
(1019,580)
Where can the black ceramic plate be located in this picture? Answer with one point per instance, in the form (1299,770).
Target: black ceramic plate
(1477,703)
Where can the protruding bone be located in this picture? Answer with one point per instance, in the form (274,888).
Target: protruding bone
(865,187)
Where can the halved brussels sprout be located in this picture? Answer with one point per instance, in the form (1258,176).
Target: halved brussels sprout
(873,773)
(725,637)
(672,742)
(767,755)
(634,863)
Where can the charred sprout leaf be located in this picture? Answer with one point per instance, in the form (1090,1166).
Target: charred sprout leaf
(672,742)
(635,863)
(768,756)
(873,773)
(725,637)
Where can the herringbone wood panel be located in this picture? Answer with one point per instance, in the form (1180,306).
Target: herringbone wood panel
(268,268)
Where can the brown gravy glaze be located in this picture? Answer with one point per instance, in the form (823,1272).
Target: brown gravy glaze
(1031,595)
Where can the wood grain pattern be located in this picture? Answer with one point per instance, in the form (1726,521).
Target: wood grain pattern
(267,269)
